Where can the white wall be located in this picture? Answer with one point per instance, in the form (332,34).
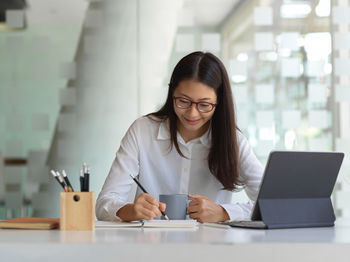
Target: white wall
(119,73)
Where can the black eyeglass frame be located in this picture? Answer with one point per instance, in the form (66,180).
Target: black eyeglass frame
(176,98)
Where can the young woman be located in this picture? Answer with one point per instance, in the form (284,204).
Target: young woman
(190,146)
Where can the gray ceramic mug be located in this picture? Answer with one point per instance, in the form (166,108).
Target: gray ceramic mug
(176,205)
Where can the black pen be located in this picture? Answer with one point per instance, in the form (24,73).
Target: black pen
(86,178)
(144,190)
(81,179)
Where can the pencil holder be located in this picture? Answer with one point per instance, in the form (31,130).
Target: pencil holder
(77,211)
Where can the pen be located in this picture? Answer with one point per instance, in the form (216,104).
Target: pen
(81,179)
(70,188)
(144,190)
(59,179)
(86,178)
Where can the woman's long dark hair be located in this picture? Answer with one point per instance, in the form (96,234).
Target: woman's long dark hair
(223,155)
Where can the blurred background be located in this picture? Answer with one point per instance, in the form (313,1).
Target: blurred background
(74,74)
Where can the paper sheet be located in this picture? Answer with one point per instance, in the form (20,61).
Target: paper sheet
(156,223)
(117,224)
(170,223)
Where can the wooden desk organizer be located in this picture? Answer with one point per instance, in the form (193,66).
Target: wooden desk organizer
(77,211)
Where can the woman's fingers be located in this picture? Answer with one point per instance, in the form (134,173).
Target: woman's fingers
(197,196)
(203,209)
(147,207)
(162,206)
(146,198)
(146,212)
(194,202)
(150,199)
(151,207)
(193,208)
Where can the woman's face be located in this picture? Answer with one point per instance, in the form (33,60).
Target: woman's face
(191,122)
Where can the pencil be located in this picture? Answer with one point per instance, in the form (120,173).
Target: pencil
(59,179)
(144,190)
(65,177)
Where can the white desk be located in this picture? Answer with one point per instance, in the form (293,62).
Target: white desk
(200,244)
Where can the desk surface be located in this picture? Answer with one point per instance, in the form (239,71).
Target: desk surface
(204,243)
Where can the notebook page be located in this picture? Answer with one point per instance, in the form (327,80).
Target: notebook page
(117,224)
(170,223)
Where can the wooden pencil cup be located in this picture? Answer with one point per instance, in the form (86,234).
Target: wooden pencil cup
(77,211)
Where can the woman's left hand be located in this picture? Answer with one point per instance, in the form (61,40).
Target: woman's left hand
(203,209)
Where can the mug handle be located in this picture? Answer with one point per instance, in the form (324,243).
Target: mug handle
(189,199)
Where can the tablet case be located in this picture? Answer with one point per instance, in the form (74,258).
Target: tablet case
(296,189)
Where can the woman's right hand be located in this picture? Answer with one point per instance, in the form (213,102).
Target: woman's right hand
(145,207)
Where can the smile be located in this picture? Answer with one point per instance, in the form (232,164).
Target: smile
(192,122)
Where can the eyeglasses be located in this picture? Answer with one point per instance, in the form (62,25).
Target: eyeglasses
(184,103)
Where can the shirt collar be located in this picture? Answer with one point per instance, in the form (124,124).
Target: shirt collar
(206,137)
(164,134)
(164,130)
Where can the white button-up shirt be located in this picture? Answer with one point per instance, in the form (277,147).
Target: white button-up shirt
(146,151)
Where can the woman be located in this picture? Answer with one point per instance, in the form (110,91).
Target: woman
(190,146)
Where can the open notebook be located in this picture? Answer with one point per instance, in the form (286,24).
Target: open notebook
(147,223)
(170,223)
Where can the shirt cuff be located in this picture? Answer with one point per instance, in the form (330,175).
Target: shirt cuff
(113,209)
(238,211)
